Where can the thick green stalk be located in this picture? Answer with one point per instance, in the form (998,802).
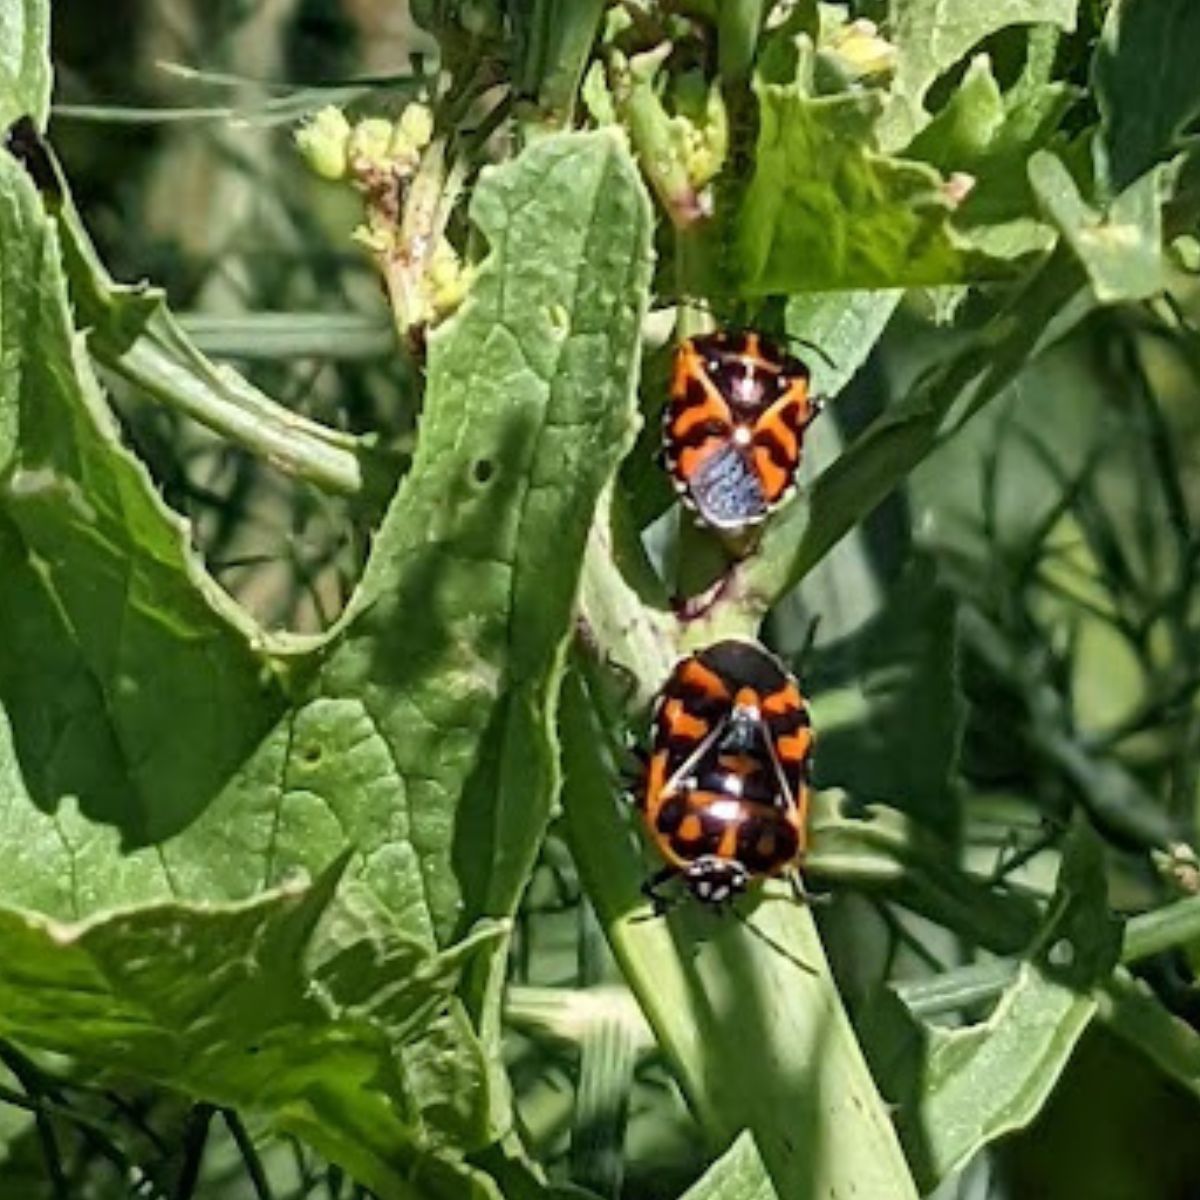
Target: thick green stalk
(744,1008)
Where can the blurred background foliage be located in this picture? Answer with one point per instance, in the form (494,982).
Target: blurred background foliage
(1013,634)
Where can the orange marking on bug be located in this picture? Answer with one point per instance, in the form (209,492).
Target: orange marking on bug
(727,847)
(774,480)
(691,829)
(680,723)
(793,411)
(746,697)
(765,846)
(656,778)
(688,365)
(690,459)
(691,416)
(774,422)
(785,700)
(694,675)
(795,747)
(798,394)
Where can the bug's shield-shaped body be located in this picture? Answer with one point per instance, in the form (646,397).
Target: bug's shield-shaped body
(726,791)
(733,430)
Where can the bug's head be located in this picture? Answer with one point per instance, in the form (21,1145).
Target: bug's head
(716,881)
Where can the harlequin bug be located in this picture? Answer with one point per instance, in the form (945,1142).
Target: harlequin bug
(733,431)
(726,785)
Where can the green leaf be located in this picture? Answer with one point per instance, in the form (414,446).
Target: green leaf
(15,1123)
(1121,249)
(882,850)
(739,25)
(822,211)
(281,1005)
(452,648)
(421,733)
(904,662)
(1137,1016)
(932,35)
(961,1088)
(133,333)
(962,132)
(990,137)
(985,1080)
(24,61)
(1050,303)
(425,738)
(1146,85)
(844,326)
(565,46)
(738,1174)
(130,679)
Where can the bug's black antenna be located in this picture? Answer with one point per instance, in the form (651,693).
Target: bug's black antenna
(778,947)
(829,362)
(791,338)
(810,639)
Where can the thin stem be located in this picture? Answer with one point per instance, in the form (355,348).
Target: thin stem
(31,1079)
(245,1145)
(195,1138)
(230,407)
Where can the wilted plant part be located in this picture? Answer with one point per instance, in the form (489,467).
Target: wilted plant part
(681,152)
(409,190)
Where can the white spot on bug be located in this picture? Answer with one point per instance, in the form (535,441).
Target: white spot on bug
(745,391)
(728,810)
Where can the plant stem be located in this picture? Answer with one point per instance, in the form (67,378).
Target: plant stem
(30,1078)
(287,335)
(230,407)
(1147,934)
(195,1138)
(253,1164)
(745,1011)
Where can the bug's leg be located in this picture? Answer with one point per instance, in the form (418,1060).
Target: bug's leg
(650,889)
(803,895)
(810,639)
(632,771)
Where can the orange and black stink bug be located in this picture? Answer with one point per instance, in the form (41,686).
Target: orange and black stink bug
(726,786)
(733,431)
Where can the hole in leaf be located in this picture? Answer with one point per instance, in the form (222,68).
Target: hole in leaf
(311,754)
(483,470)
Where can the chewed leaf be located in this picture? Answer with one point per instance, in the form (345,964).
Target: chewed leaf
(425,740)
(1121,249)
(932,35)
(960,1088)
(987,138)
(823,211)
(215,1001)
